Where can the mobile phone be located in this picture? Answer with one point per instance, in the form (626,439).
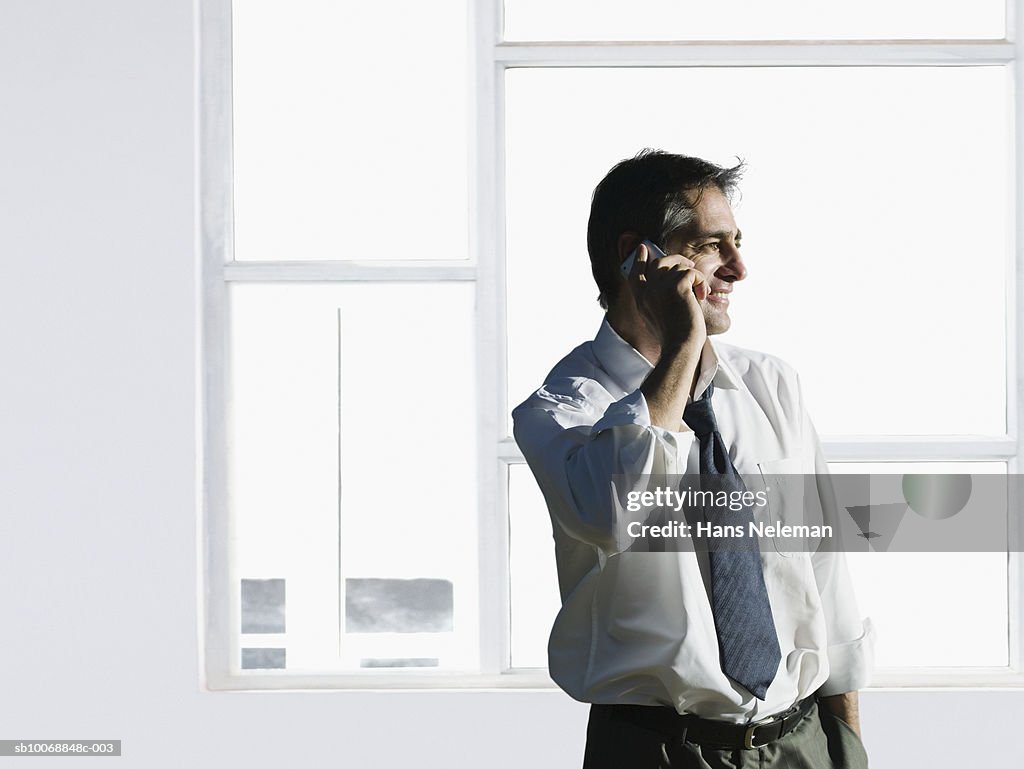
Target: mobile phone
(627,266)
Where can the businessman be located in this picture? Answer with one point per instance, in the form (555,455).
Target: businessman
(690,657)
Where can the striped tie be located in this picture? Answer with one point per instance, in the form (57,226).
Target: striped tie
(747,642)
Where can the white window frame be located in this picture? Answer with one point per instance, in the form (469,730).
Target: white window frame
(490,58)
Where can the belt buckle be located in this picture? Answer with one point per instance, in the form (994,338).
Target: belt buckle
(748,737)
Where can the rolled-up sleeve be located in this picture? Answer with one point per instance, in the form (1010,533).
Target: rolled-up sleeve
(629,410)
(586,460)
(850,663)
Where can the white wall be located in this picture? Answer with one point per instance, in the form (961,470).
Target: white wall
(98,489)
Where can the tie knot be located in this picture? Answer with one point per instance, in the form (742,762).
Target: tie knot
(700,416)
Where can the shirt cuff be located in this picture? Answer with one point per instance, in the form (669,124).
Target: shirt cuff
(632,409)
(628,410)
(850,663)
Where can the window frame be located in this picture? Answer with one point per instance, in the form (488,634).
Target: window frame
(489,60)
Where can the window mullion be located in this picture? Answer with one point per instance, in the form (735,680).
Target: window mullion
(756,54)
(1015,345)
(934,449)
(326,271)
(213,216)
(487,242)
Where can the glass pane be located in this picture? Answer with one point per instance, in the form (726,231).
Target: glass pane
(933,609)
(350,128)
(876,213)
(753,20)
(352,471)
(534,579)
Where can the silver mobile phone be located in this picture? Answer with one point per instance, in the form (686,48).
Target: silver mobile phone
(627,266)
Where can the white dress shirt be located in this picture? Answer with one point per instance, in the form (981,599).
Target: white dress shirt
(637,627)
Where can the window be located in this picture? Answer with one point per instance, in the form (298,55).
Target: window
(394,200)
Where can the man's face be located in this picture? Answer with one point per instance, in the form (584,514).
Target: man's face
(712,241)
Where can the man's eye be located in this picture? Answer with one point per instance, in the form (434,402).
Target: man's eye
(711,246)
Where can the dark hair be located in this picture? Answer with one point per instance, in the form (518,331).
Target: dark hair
(647,194)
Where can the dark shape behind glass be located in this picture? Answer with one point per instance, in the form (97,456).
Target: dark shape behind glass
(262,605)
(398,605)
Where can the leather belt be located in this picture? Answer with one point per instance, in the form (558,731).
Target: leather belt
(705,731)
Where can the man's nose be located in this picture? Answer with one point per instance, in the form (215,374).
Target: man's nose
(733,267)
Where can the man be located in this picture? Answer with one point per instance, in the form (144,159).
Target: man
(691,658)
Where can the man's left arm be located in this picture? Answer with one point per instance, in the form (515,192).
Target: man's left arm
(850,638)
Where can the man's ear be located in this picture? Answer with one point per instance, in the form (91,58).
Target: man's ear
(627,242)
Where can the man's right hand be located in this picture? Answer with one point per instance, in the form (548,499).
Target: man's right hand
(667,291)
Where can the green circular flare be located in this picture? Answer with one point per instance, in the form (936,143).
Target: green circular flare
(937,496)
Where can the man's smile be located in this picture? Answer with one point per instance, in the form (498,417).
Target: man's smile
(720,297)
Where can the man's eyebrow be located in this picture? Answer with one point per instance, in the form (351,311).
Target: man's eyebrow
(717,234)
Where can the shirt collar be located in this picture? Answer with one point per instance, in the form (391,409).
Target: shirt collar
(629,368)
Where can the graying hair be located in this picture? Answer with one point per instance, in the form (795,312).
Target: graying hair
(648,194)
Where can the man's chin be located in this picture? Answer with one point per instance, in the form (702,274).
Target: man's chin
(717,325)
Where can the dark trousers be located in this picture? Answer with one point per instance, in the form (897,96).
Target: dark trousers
(820,741)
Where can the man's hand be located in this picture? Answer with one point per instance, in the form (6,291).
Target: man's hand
(667,290)
(846,706)
(664,290)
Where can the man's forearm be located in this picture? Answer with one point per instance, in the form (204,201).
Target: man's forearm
(668,385)
(846,706)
